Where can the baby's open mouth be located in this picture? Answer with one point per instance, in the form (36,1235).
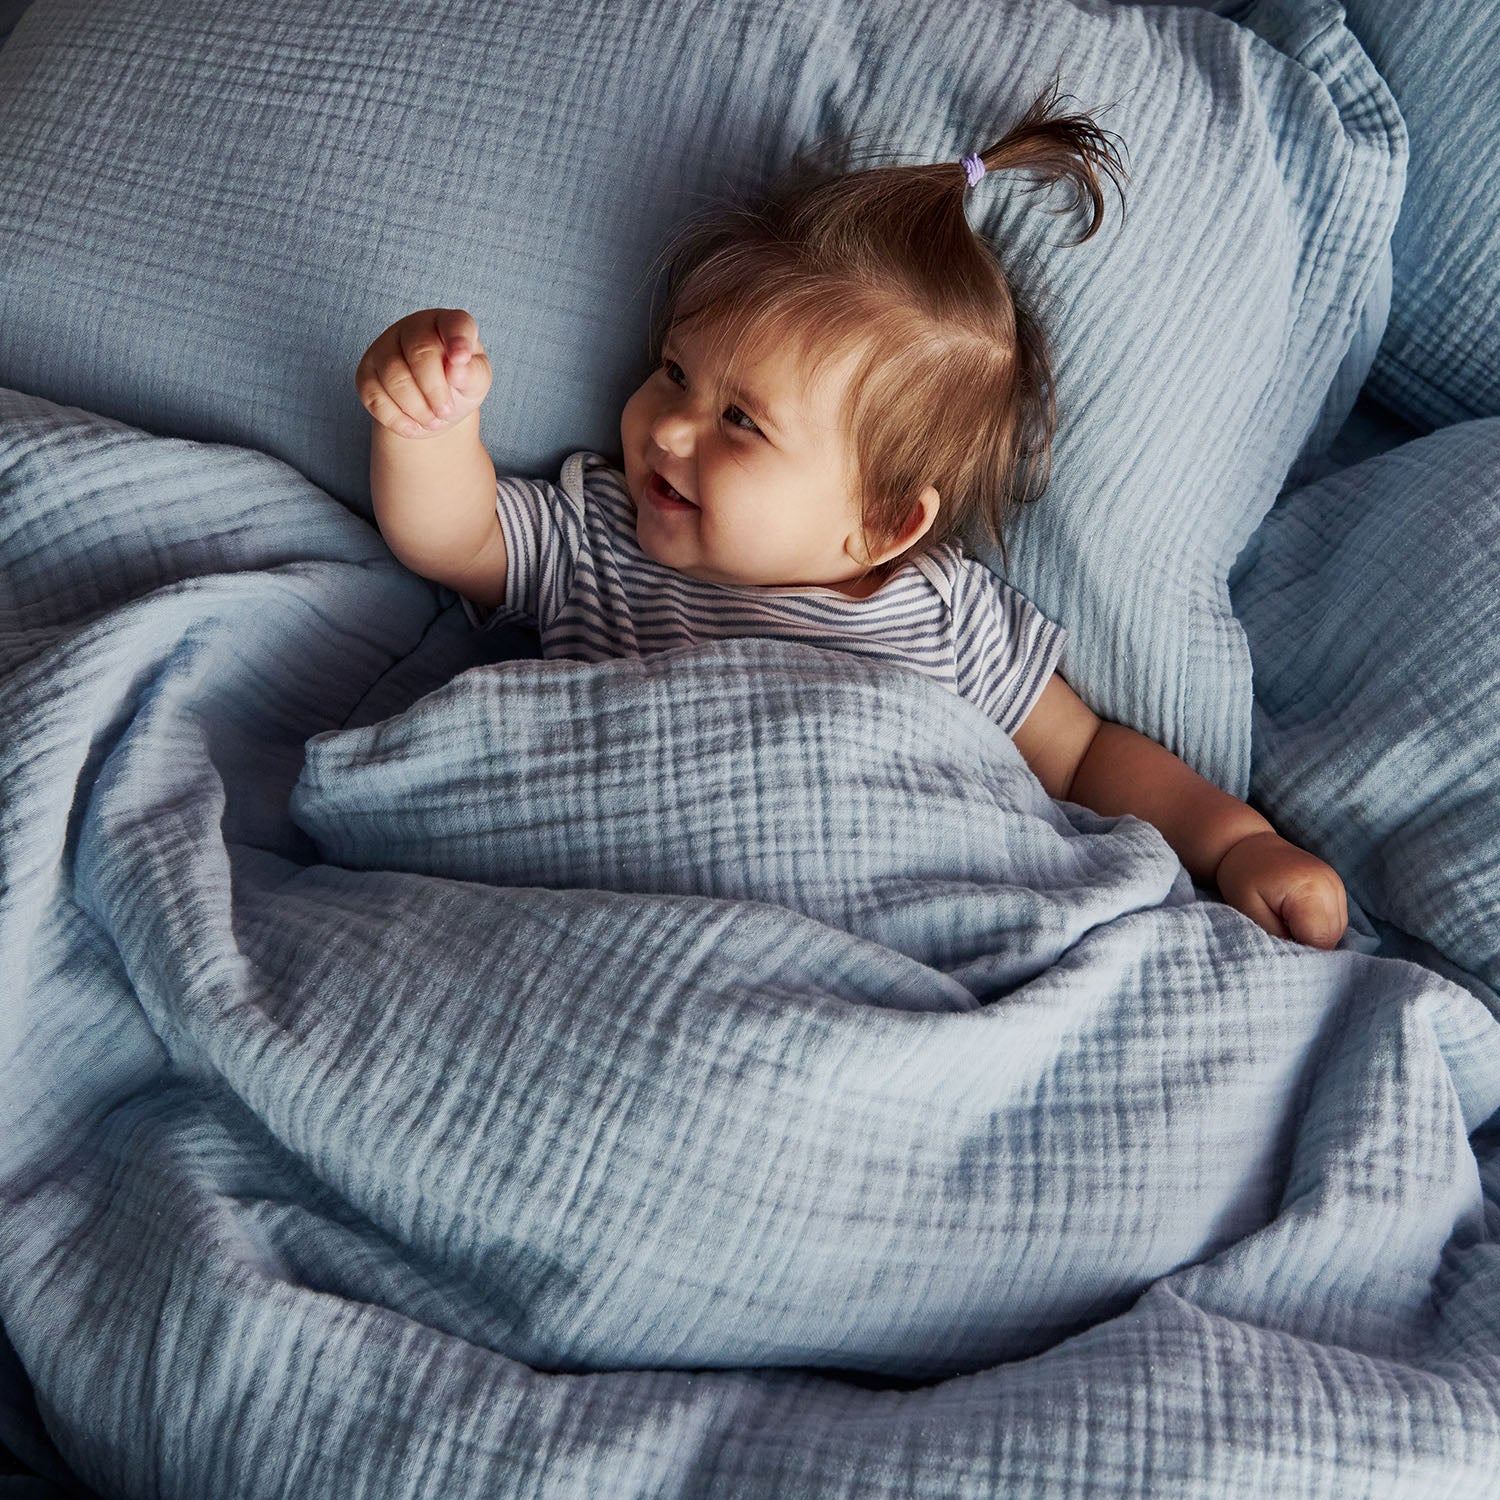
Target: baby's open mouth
(664,491)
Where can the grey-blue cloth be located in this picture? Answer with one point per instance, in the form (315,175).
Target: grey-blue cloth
(722,1073)
(1371,601)
(211,208)
(1440,361)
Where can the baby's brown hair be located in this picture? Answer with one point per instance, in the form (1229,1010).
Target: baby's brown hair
(954,388)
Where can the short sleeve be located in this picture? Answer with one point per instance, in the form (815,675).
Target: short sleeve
(1005,648)
(542,525)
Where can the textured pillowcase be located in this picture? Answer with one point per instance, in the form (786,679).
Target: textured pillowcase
(1320,454)
(10,13)
(1372,607)
(1440,361)
(212,208)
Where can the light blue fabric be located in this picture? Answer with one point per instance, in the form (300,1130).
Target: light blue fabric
(1328,445)
(1337,426)
(1373,612)
(1371,429)
(725,1073)
(211,209)
(1440,361)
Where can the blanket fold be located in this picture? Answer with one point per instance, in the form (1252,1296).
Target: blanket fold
(759,771)
(721,1073)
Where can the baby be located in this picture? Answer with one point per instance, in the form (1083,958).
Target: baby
(846,383)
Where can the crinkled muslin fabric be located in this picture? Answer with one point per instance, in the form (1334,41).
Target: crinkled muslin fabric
(211,210)
(1373,612)
(721,1072)
(1439,363)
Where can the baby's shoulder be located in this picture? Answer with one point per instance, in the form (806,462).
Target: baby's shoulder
(956,578)
(976,575)
(596,469)
(591,478)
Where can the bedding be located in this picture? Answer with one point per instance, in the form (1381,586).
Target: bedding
(212,210)
(829,1112)
(427,1070)
(1439,362)
(10,13)
(1372,607)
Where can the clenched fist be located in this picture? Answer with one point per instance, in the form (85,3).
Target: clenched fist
(425,373)
(1284,889)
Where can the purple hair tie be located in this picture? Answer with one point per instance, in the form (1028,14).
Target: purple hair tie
(973,167)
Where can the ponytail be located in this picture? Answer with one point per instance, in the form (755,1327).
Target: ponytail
(1053,148)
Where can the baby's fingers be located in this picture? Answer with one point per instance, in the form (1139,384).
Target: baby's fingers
(418,380)
(384,372)
(1262,914)
(459,334)
(378,402)
(471,380)
(425,372)
(1316,914)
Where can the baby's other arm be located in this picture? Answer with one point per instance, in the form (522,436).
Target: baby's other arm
(431,480)
(1079,757)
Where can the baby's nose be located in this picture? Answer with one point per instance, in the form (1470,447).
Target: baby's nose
(673,432)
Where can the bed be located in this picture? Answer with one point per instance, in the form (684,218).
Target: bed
(426,1069)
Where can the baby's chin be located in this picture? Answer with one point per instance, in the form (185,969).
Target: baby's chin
(660,546)
(674,553)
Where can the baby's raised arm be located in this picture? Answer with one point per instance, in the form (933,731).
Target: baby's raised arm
(432,482)
(1079,757)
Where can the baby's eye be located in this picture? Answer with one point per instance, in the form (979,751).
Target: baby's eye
(733,413)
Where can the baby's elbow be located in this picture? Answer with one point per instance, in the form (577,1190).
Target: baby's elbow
(1073,763)
(1056,736)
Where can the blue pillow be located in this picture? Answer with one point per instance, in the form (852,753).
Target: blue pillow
(1372,607)
(1440,360)
(10,13)
(211,208)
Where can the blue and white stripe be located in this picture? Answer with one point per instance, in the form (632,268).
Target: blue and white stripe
(577,572)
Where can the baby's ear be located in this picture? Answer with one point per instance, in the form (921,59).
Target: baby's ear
(923,513)
(919,520)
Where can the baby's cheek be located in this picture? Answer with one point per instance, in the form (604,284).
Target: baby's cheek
(753,549)
(726,539)
(635,419)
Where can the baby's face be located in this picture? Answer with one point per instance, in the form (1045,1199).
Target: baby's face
(766,484)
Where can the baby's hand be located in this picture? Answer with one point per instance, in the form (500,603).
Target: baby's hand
(425,373)
(1284,889)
